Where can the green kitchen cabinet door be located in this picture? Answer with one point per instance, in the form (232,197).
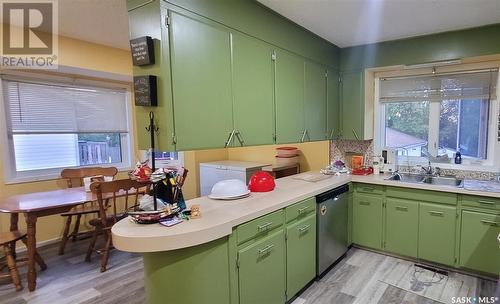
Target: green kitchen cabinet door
(289,86)
(352,103)
(145,20)
(333,104)
(253,90)
(301,254)
(367,220)
(315,101)
(201,82)
(436,233)
(479,249)
(261,272)
(401,227)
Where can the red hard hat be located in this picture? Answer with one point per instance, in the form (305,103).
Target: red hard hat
(261,182)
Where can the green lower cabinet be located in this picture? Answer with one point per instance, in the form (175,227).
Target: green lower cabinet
(401,228)
(479,248)
(261,272)
(437,231)
(367,220)
(301,254)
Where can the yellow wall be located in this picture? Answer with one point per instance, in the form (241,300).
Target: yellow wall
(313,156)
(72,53)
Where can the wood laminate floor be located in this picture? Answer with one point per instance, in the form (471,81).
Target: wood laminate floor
(362,277)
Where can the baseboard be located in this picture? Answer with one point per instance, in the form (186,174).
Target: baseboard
(22,248)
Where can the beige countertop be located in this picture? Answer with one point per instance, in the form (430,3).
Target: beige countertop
(220,217)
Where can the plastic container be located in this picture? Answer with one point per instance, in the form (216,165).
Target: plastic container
(261,182)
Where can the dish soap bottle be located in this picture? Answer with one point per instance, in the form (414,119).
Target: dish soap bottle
(458,158)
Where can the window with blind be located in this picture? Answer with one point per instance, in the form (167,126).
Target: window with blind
(438,115)
(52,126)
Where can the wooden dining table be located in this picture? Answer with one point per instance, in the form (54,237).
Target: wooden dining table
(39,204)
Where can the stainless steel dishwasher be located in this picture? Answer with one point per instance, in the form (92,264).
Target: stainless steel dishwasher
(331,236)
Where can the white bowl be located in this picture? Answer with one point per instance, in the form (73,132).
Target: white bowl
(229,188)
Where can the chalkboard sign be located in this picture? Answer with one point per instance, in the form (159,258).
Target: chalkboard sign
(145,91)
(143,52)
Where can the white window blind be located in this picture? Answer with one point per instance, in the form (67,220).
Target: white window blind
(54,125)
(35,108)
(436,88)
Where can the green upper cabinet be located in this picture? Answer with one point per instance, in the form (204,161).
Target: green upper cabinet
(201,80)
(146,21)
(253,90)
(352,104)
(315,101)
(401,226)
(290,124)
(333,104)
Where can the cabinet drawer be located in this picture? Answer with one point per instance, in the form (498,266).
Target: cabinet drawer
(259,226)
(300,209)
(481,202)
(369,189)
(422,195)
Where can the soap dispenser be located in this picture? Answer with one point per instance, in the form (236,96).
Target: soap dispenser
(458,158)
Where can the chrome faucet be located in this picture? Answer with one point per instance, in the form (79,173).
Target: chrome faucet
(428,169)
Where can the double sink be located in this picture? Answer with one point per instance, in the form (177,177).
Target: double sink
(427,179)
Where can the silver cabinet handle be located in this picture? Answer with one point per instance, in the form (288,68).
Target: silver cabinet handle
(303,136)
(304,228)
(266,249)
(401,208)
(355,134)
(486,202)
(492,223)
(240,138)
(230,138)
(264,226)
(331,134)
(364,203)
(436,213)
(301,210)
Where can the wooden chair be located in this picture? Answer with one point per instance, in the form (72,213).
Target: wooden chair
(74,178)
(108,216)
(7,241)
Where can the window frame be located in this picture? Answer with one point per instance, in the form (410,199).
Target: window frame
(11,176)
(491,163)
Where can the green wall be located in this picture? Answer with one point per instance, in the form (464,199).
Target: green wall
(256,20)
(443,46)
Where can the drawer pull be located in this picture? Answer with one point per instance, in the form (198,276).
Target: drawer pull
(367,189)
(266,249)
(303,209)
(486,203)
(492,223)
(401,208)
(264,227)
(436,213)
(304,228)
(364,203)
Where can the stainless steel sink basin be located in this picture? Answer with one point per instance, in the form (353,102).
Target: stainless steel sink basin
(426,179)
(407,178)
(444,181)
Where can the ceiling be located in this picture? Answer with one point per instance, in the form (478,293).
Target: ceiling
(355,22)
(99,21)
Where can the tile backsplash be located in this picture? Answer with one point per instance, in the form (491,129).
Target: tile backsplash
(341,148)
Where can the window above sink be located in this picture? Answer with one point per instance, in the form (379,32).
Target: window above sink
(432,116)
